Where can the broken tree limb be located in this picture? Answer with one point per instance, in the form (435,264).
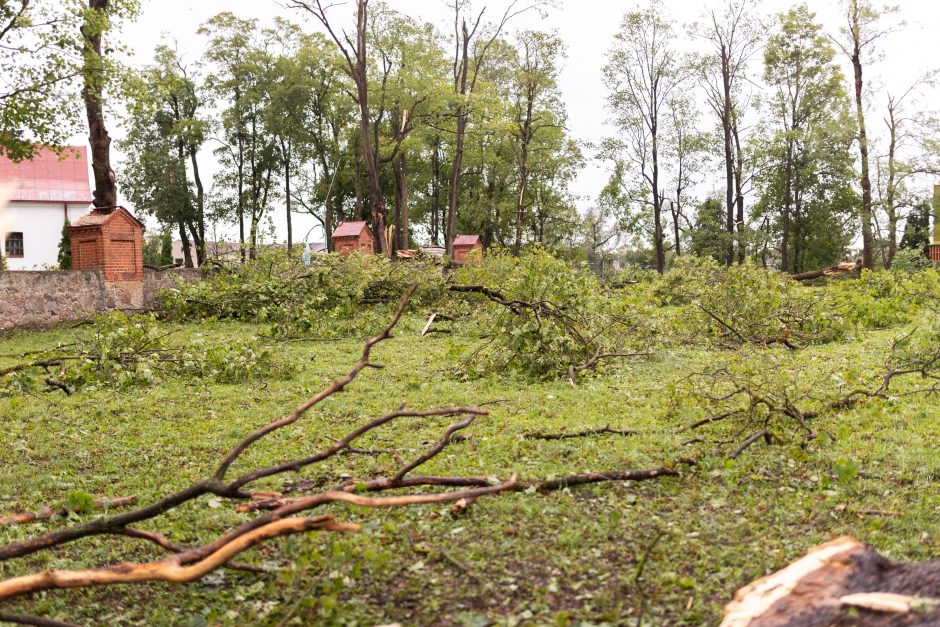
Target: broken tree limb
(36,621)
(49,512)
(595,359)
(577,434)
(833,270)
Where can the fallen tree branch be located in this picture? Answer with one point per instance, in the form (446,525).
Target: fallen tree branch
(833,270)
(49,512)
(595,359)
(577,434)
(36,621)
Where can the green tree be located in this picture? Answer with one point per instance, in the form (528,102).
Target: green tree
(733,36)
(709,235)
(65,247)
(37,78)
(643,72)
(241,81)
(164,131)
(804,146)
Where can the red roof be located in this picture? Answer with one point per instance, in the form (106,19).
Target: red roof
(50,178)
(466,240)
(349,229)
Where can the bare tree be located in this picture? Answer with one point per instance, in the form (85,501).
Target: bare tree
(860,32)
(892,171)
(471,45)
(643,71)
(356,66)
(734,37)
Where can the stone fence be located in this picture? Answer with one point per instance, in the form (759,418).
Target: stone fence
(41,299)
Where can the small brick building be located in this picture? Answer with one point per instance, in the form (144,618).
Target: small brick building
(111,240)
(352,237)
(467,247)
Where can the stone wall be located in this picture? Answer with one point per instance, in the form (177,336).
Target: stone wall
(155,282)
(41,299)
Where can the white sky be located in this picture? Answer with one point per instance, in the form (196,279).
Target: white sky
(587,27)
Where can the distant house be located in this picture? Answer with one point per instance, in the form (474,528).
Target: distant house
(467,246)
(47,190)
(351,237)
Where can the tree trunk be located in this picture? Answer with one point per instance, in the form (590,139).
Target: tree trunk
(729,159)
(868,243)
(890,192)
(787,204)
(200,208)
(105,194)
(241,195)
(455,184)
(359,71)
(287,202)
(187,253)
(659,244)
(739,193)
(435,195)
(460,88)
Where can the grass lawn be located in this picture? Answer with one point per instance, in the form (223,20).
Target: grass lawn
(666,551)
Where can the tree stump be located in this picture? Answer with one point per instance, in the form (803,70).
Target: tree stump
(842,582)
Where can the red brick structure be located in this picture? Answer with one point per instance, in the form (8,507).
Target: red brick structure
(111,240)
(353,237)
(467,248)
(935,253)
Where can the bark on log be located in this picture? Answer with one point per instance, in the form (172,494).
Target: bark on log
(842,582)
(839,268)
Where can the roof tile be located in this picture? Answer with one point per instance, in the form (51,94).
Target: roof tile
(50,178)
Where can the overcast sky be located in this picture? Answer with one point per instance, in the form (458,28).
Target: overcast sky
(586,26)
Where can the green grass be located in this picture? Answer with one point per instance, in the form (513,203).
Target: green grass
(569,557)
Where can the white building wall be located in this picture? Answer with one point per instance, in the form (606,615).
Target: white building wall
(41,226)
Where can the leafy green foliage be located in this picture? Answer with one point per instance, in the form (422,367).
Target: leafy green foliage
(880,300)
(745,304)
(65,247)
(332,296)
(568,316)
(124,352)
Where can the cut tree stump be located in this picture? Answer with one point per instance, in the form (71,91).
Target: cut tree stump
(840,583)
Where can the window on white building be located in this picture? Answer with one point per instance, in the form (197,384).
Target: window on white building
(14,245)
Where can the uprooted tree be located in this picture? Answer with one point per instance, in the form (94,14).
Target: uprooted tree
(283,516)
